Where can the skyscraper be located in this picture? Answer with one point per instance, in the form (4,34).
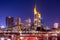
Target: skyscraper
(37,17)
(18,21)
(9,21)
(56,25)
(28,23)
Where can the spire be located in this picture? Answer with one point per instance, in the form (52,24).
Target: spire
(35,10)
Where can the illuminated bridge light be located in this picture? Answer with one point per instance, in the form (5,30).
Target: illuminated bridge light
(21,38)
(8,39)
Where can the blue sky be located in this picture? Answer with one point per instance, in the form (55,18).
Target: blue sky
(50,10)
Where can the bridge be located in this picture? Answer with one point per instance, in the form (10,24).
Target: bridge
(17,34)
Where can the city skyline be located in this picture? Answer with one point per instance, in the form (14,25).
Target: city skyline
(24,9)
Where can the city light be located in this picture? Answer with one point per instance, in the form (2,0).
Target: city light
(21,38)
(2,26)
(2,38)
(39,15)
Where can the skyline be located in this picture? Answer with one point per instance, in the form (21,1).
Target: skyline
(24,9)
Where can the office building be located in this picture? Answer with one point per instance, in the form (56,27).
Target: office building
(56,25)
(28,23)
(9,21)
(37,18)
(18,21)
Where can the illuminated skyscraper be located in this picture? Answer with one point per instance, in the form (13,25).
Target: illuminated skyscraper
(9,21)
(56,25)
(37,18)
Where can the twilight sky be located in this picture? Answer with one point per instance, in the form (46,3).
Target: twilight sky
(49,9)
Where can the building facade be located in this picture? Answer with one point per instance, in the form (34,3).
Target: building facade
(9,21)
(37,18)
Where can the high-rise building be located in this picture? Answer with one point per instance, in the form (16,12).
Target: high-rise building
(18,24)
(18,21)
(28,23)
(37,17)
(9,21)
(56,25)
